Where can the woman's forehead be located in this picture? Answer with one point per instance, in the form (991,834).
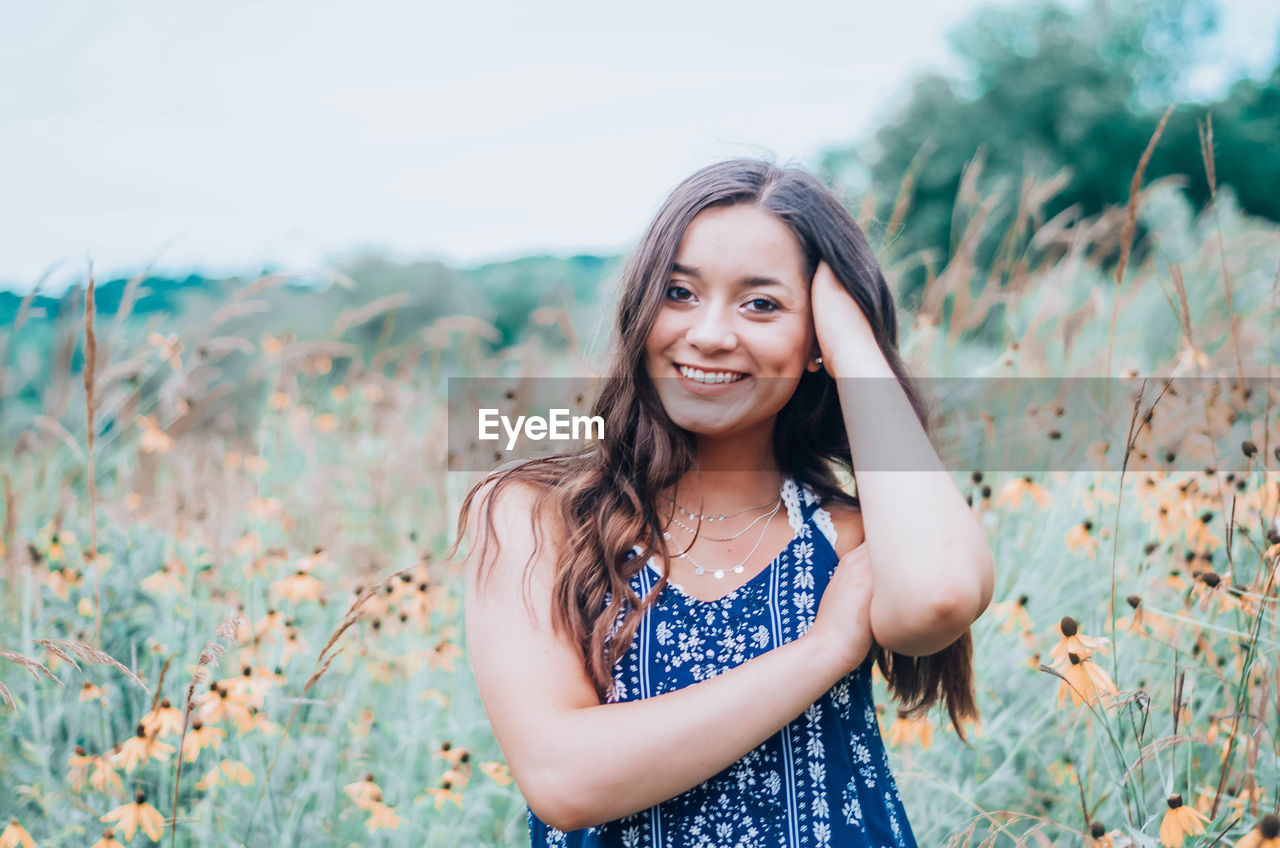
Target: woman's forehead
(735,242)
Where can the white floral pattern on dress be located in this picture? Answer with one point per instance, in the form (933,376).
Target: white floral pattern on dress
(781,794)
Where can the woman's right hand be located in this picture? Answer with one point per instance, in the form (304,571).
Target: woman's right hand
(843,621)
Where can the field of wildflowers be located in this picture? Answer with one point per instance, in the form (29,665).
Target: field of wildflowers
(218,634)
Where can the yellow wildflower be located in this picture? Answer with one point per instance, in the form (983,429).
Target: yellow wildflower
(135,815)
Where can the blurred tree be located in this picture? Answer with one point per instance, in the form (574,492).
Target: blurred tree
(1052,88)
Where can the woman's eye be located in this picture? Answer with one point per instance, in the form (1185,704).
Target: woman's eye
(680,292)
(764,304)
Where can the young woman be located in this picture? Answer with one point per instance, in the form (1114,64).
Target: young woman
(672,632)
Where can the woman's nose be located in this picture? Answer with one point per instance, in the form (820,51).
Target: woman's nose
(712,331)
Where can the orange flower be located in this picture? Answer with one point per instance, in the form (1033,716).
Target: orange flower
(14,835)
(1099,838)
(382,816)
(219,703)
(141,748)
(498,772)
(166,581)
(164,720)
(442,655)
(911,731)
(154,440)
(443,794)
(1180,822)
(108,840)
(299,586)
(1265,835)
(1074,642)
(1014,614)
(135,815)
(89,692)
(169,348)
(364,792)
(1081,536)
(103,777)
(1013,492)
(233,771)
(200,737)
(1085,680)
(450,754)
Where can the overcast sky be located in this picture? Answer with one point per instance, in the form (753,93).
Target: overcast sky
(222,136)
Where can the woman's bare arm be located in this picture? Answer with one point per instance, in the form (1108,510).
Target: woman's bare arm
(579,762)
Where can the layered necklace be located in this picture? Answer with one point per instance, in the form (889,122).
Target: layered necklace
(719,573)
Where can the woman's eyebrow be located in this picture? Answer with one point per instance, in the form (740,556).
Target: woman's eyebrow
(745,282)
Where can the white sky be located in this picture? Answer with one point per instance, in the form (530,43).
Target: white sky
(221,136)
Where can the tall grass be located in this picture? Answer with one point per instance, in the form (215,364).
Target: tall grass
(318,508)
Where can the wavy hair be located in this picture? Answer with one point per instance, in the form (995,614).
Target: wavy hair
(603,497)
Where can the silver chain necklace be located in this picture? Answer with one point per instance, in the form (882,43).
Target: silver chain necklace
(710,538)
(697,516)
(719,573)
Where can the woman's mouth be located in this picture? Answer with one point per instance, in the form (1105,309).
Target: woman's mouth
(706,381)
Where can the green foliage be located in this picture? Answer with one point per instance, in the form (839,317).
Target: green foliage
(1051,89)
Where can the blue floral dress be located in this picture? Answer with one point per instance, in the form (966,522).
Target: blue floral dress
(823,780)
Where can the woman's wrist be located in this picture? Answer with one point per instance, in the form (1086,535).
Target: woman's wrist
(833,660)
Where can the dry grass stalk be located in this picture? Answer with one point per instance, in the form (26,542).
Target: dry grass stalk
(6,536)
(54,428)
(164,670)
(209,657)
(1131,219)
(237,310)
(1206,153)
(66,650)
(1130,226)
(127,301)
(35,667)
(353,614)
(902,203)
(90,360)
(1205,131)
(267,281)
(69,650)
(361,314)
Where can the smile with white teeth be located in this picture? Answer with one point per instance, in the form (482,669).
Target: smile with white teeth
(700,376)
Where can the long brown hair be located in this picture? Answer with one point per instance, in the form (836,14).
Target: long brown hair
(606,493)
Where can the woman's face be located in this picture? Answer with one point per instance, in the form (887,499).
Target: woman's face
(736,309)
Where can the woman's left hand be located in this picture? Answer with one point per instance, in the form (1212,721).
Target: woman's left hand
(839,323)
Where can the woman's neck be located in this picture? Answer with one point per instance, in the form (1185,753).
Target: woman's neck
(732,473)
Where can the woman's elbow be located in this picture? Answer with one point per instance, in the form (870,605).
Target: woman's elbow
(936,622)
(562,797)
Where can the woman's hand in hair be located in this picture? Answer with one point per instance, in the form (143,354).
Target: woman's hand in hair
(843,621)
(842,328)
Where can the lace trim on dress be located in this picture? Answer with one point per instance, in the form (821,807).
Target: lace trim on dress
(791,497)
(821,517)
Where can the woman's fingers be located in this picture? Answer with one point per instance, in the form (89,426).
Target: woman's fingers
(844,613)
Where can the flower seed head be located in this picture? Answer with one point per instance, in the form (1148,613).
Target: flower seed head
(1269,826)
(1069,626)
(1134,601)
(1175,801)
(1097,830)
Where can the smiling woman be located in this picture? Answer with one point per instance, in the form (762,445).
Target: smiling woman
(673,630)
